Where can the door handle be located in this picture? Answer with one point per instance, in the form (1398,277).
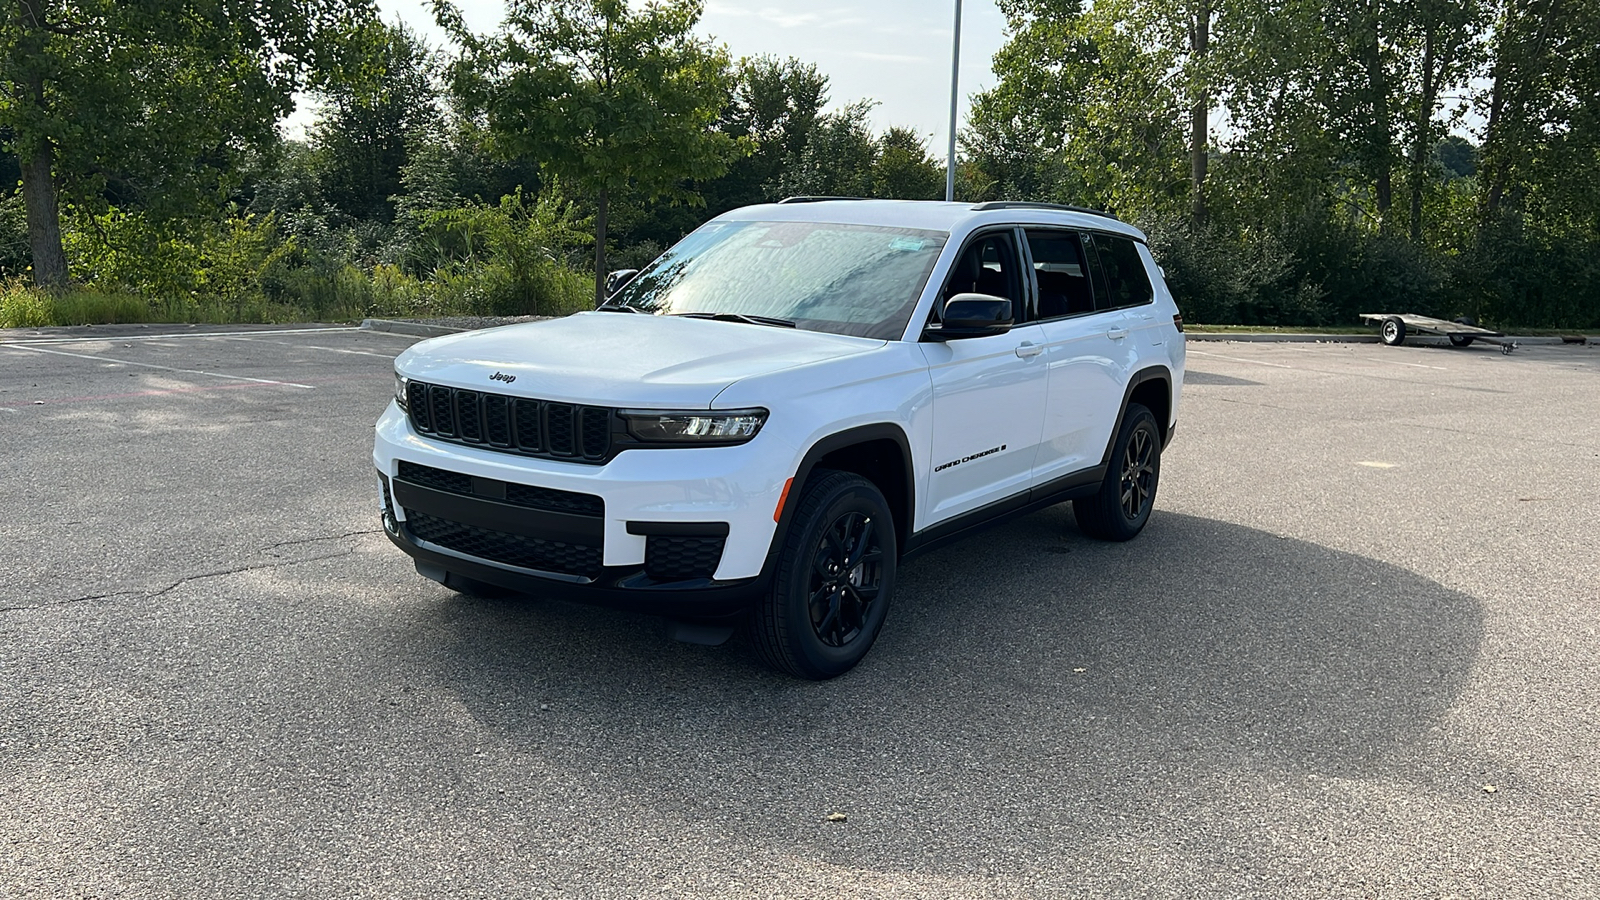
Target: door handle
(1117,334)
(1028,350)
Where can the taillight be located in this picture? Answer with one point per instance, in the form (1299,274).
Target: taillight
(1177,320)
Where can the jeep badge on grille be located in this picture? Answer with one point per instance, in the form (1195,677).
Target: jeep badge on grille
(501,376)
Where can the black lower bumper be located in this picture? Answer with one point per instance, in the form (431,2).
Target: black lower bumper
(620,587)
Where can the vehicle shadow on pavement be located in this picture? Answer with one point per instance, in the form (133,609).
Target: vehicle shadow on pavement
(1033,691)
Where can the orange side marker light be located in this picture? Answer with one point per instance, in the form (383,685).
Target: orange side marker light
(782,499)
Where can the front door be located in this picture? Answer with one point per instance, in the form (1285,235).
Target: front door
(988,392)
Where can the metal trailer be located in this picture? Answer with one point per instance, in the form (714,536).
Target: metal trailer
(1393,328)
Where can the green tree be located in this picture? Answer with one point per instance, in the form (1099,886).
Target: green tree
(904,170)
(1093,96)
(156,96)
(607,97)
(775,106)
(362,133)
(837,158)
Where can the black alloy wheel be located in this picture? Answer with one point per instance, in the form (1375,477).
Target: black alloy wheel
(846,579)
(1138,479)
(834,581)
(1122,506)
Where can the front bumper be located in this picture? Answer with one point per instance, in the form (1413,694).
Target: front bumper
(619,535)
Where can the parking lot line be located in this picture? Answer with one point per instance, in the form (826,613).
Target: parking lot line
(1193,352)
(125,362)
(90,339)
(315,347)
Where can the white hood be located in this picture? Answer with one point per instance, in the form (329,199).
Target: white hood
(617,359)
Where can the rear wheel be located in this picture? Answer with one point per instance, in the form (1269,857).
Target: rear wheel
(831,592)
(1122,507)
(1393,331)
(1462,340)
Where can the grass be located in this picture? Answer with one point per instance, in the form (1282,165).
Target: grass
(31,308)
(1358,329)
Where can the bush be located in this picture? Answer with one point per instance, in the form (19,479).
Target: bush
(1220,277)
(506,259)
(182,265)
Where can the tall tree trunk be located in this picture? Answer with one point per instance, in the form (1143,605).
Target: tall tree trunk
(1419,146)
(37,159)
(1199,125)
(1378,137)
(44,217)
(600,248)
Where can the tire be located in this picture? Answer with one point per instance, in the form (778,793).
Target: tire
(1462,340)
(1122,507)
(1393,331)
(824,611)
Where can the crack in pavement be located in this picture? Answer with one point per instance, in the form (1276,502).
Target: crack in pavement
(151,595)
(336,537)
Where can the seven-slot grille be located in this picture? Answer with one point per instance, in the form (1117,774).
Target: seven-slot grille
(511,424)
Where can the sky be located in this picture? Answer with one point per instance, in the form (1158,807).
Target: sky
(896,52)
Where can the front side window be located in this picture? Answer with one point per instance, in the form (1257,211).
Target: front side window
(845,279)
(987,265)
(1126,280)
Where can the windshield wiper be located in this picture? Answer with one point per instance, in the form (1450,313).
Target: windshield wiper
(739,317)
(614,307)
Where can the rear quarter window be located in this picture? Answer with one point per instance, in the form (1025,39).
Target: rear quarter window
(1127,283)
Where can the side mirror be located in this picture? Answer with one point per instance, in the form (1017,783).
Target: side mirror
(616,280)
(972,315)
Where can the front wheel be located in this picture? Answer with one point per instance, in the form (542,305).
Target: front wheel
(831,592)
(1128,493)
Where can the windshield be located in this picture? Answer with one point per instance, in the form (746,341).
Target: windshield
(846,279)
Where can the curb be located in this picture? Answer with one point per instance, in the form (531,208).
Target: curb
(1290,338)
(1281,337)
(393,326)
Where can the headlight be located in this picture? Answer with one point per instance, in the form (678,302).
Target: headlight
(400,391)
(667,426)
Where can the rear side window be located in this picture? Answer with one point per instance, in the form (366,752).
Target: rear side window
(1062,273)
(1127,283)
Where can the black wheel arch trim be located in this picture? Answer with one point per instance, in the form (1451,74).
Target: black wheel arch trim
(850,437)
(1149,373)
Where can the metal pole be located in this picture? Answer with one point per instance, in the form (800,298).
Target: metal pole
(955,81)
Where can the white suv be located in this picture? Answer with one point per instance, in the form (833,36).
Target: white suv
(764,423)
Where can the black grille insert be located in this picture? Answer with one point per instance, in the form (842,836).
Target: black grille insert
(513,424)
(516,494)
(580,560)
(676,558)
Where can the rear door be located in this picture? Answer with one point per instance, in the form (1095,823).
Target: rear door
(1087,352)
(988,392)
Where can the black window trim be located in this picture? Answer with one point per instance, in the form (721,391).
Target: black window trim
(1097,285)
(1019,254)
(1100,272)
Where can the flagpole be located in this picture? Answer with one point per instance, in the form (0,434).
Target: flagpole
(955,81)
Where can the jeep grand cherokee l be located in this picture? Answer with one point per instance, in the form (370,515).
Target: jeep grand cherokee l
(764,423)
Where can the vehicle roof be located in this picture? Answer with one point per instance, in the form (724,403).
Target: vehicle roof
(930,215)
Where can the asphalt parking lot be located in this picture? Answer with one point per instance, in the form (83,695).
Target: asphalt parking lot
(1354,654)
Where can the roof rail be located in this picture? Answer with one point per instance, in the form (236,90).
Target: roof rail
(1017,204)
(816,199)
